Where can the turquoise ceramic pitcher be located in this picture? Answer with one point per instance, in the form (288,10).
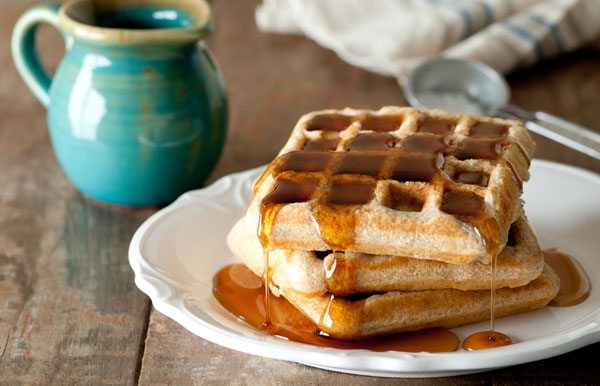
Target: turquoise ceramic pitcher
(137,108)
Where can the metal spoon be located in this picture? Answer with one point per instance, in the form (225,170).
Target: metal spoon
(464,86)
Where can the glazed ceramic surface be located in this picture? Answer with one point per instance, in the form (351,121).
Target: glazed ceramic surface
(137,108)
(177,251)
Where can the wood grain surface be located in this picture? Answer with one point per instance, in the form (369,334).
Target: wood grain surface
(69,310)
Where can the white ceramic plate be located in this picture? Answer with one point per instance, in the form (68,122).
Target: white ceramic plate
(176,252)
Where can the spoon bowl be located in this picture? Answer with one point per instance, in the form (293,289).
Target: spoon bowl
(460,86)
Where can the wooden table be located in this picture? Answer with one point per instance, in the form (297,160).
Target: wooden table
(69,310)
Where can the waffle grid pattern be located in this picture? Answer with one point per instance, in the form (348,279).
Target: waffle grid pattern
(404,160)
(378,153)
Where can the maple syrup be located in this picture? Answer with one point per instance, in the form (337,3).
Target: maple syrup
(372,141)
(479,148)
(242,293)
(487,141)
(417,167)
(286,191)
(462,203)
(365,163)
(334,215)
(486,339)
(329,122)
(424,143)
(489,130)
(382,122)
(321,145)
(575,286)
(435,126)
(472,209)
(300,161)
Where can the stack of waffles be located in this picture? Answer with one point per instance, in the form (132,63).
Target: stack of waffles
(377,222)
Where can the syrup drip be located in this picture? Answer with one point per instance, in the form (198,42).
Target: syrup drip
(575,286)
(334,215)
(493,298)
(339,275)
(472,209)
(242,293)
(486,339)
(286,191)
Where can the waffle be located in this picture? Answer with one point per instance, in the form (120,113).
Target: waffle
(397,311)
(375,314)
(311,273)
(396,181)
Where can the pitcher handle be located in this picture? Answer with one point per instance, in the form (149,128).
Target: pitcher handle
(24,52)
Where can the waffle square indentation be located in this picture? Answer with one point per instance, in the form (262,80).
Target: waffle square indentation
(471,178)
(361,163)
(416,167)
(321,145)
(372,141)
(289,191)
(424,143)
(401,198)
(436,126)
(299,161)
(350,193)
(479,148)
(462,203)
(489,130)
(382,123)
(329,122)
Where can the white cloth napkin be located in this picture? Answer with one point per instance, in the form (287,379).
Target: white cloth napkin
(391,37)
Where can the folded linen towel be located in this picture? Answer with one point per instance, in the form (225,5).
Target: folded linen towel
(391,37)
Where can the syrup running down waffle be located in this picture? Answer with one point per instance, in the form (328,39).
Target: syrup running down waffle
(316,273)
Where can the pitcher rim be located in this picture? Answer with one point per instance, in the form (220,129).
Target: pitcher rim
(199,10)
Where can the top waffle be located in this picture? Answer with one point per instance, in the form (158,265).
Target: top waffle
(396,181)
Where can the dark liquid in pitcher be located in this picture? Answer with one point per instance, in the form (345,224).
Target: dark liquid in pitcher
(143,18)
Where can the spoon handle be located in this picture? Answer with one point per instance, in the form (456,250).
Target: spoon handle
(560,130)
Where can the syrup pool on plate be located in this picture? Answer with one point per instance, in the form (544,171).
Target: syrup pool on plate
(242,293)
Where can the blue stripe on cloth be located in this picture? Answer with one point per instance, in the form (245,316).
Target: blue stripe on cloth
(489,12)
(461,10)
(551,27)
(466,19)
(525,35)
